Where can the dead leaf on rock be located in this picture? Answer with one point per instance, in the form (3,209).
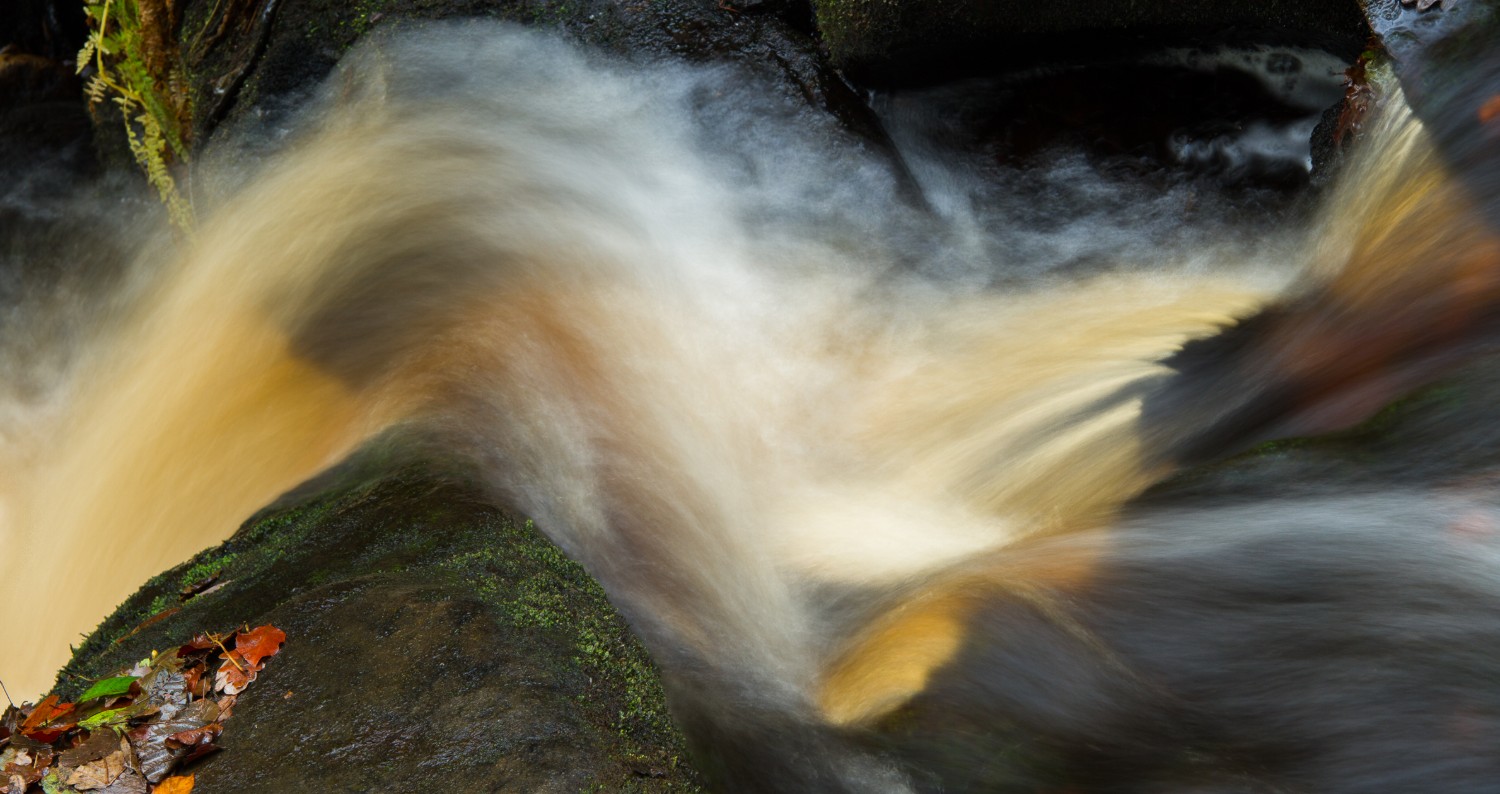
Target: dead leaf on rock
(128,783)
(99,745)
(28,765)
(158,757)
(48,721)
(196,736)
(259,643)
(177,784)
(98,774)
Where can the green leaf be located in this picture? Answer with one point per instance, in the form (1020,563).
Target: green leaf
(108,687)
(104,718)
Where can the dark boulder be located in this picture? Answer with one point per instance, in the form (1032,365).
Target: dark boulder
(434,642)
(917,41)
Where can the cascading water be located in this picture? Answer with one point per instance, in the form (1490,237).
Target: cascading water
(802,431)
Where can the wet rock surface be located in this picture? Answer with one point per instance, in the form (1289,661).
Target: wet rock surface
(914,42)
(270,53)
(434,643)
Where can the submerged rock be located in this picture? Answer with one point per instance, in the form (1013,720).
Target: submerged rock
(434,642)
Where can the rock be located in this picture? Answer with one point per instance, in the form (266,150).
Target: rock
(894,42)
(434,643)
(273,52)
(1449,66)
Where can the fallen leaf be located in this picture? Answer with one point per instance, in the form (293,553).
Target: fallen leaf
(128,783)
(197,685)
(259,643)
(157,618)
(166,687)
(100,745)
(98,774)
(200,642)
(108,687)
(45,712)
(28,765)
(158,757)
(103,718)
(196,736)
(197,587)
(177,784)
(46,722)
(234,674)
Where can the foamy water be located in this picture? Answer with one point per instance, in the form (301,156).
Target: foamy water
(729,373)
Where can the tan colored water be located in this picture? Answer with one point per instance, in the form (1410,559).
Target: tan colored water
(555,283)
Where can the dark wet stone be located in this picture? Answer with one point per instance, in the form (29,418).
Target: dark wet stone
(434,642)
(279,50)
(922,41)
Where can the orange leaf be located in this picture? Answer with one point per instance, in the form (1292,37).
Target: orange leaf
(42,725)
(259,643)
(176,784)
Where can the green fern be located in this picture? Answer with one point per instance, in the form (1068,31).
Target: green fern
(153,112)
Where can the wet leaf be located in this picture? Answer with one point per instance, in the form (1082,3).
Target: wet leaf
(166,687)
(259,643)
(100,745)
(200,642)
(198,587)
(196,736)
(48,721)
(108,687)
(234,674)
(45,712)
(98,774)
(157,757)
(106,718)
(177,784)
(157,618)
(128,783)
(27,765)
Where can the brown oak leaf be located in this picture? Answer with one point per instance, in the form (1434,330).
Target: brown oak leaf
(259,643)
(98,774)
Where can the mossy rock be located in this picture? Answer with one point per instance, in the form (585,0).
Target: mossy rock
(435,642)
(915,41)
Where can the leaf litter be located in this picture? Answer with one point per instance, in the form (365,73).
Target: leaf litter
(134,732)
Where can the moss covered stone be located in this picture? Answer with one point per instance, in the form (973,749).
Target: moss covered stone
(434,642)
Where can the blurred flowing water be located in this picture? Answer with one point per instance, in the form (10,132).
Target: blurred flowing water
(707,342)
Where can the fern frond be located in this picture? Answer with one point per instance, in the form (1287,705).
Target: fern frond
(85,55)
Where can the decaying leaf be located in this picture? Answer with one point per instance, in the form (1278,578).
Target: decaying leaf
(135,728)
(27,765)
(128,783)
(98,774)
(100,745)
(157,757)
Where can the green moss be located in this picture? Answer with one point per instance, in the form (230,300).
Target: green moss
(361,523)
(534,585)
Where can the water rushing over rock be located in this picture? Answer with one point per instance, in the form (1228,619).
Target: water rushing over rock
(861,504)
